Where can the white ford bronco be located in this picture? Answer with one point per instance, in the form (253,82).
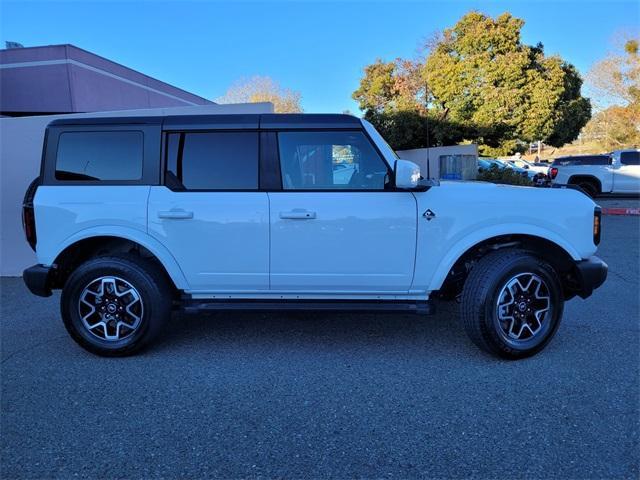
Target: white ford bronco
(135,217)
(617,172)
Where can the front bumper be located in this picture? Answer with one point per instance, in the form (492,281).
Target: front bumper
(37,279)
(590,274)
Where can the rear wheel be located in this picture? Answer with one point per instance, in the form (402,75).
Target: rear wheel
(115,306)
(512,304)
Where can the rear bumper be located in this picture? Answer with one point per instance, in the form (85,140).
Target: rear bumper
(590,273)
(36,278)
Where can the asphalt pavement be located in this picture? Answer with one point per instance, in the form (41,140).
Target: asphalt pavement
(328,396)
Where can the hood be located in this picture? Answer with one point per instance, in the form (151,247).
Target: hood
(527,201)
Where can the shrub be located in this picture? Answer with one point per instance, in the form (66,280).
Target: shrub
(495,174)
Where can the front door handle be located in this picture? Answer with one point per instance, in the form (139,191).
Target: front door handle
(298,214)
(175,214)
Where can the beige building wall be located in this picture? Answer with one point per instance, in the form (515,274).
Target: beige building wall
(429,158)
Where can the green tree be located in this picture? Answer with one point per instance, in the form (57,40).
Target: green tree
(481,74)
(391,86)
(480,83)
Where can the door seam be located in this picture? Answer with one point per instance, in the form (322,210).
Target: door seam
(269,236)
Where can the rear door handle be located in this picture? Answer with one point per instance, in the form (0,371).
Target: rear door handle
(298,214)
(175,214)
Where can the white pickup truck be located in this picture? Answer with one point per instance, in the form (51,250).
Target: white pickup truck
(618,172)
(133,217)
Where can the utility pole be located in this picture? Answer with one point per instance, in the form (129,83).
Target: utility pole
(426,106)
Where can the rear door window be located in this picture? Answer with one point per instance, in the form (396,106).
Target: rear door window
(94,156)
(213,160)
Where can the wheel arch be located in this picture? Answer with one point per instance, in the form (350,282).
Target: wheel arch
(86,244)
(451,276)
(578,178)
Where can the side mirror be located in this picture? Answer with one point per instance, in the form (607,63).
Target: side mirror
(407,174)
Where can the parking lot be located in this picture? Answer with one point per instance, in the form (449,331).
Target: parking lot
(325,395)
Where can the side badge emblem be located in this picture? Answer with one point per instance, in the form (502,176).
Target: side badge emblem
(429,215)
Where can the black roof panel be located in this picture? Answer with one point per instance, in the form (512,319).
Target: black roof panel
(107,121)
(205,122)
(308,120)
(225,121)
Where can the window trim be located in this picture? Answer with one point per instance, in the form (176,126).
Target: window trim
(150,153)
(390,187)
(165,159)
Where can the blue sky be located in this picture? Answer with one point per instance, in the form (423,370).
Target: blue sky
(318,48)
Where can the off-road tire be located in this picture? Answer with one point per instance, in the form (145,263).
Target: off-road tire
(145,276)
(480,296)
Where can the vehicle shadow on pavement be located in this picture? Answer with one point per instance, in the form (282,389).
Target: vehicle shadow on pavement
(442,332)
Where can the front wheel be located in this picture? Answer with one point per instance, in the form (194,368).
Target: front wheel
(115,306)
(512,304)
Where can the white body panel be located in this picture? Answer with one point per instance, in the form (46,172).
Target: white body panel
(468,213)
(626,178)
(357,245)
(351,242)
(66,215)
(223,245)
(65,212)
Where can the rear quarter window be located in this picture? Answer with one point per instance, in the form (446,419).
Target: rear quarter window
(630,158)
(582,160)
(95,156)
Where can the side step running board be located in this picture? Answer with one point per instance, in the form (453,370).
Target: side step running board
(376,306)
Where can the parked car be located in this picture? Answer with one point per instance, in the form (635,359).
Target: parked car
(485,164)
(522,163)
(617,172)
(530,174)
(536,178)
(133,217)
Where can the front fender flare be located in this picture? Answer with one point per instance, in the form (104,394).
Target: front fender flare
(463,245)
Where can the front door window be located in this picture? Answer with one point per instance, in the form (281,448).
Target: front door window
(339,160)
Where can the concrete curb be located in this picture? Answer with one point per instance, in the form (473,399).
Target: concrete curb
(620,211)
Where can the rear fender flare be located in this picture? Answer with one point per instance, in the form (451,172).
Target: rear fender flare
(161,252)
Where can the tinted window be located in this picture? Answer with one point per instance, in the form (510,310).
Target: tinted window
(330,160)
(583,160)
(213,160)
(99,156)
(630,158)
